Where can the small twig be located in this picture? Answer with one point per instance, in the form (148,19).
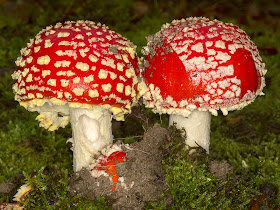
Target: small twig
(129,137)
(139,150)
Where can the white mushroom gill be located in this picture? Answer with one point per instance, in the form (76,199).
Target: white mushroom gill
(197,127)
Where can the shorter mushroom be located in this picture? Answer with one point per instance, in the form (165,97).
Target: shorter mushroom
(193,67)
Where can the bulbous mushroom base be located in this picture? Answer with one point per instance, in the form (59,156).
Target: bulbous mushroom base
(92,131)
(197,127)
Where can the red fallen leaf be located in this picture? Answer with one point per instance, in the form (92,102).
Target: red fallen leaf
(108,163)
(260,200)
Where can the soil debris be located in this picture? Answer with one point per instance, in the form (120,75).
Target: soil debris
(220,170)
(7,187)
(141,179)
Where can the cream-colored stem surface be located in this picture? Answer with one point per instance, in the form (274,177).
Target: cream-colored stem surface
(197,127)
(92,131)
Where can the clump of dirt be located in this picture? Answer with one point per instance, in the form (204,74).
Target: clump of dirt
(10,186)
(141,177)
(6,187)
(220,170)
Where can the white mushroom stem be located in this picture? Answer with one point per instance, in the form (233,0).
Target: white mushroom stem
(197,127)
(92,131)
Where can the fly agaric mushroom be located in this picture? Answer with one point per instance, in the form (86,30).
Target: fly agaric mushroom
(79,72)
(194,67)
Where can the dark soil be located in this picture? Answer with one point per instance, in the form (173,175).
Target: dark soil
(142,174)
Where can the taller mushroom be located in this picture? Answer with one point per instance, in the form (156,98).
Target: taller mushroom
(80,72)
(194,67)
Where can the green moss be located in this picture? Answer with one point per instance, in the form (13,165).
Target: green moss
(49,190)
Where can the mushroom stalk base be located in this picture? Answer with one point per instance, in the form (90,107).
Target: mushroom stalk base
(92,131)
(197,127)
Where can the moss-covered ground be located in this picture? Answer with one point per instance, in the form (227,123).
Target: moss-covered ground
(248,140)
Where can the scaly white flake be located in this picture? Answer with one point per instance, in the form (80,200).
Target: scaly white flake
(78,91)
(33,68)
(108,62)
(120,87)
(82,66)
(44,60)
(220,44)
(224,57)
(79,36)
(51,82)
(29,78)
(61,73)
(196,62)
(81,44)
(210,52)
(64,82)
(48,43)
(71,53)
(83,52)
(29,59)
(106,87)
(102,74)
(70,73)
(31,95)
(25,51)
(120,66)
(125,58)
(229,94)
(59,94)
(20,62)
(219,91)
(25,72)
(93,58)
(76,80)
(67,95)
(46,73)
(113,75)
(127,90)
(39,95)
(129,73)
(16,75)
(93,93)
(36,49)
(88,79)
(63,34)
(122,78)
(208,43)
(67,43)
(63,63)
(197,47)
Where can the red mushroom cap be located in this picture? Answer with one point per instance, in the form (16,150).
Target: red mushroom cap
(77,63)
(200,64)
